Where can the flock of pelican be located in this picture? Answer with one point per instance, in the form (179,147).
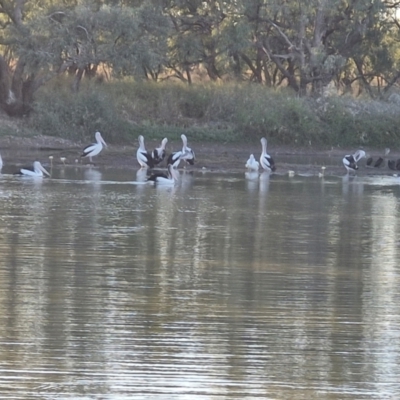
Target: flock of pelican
(150,159)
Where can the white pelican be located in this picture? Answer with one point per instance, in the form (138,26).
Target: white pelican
(252,164)
(158,153)
(37,171)
(266,160)
(95,148)
(144,157)
(162,179)
(186,154)
(174,159)
(350,161)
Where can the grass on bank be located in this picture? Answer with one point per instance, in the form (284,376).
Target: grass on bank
(222,112)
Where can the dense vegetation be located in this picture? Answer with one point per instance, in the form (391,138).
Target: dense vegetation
(221,69)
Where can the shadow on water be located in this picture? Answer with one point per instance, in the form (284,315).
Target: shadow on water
(231,286)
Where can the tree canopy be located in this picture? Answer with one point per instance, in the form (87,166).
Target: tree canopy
(305,45)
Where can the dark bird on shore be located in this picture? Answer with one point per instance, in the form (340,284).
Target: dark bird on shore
(394,165)
(380,162)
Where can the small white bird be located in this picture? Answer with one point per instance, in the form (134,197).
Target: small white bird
(266,160)
(37,171)
(161,179)
(144,158)
(95,148)
(252,164)
(158,153)
(350,161)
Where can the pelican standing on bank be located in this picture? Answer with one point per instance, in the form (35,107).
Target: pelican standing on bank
(188,153)
(161,179)
(350,160)
(37,171)
(95,148)
(144,158)
(252,164)
(266,160)
(158,153)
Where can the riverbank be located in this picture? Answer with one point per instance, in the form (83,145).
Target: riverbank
(214,157)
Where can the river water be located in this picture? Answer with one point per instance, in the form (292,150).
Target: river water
(223,287)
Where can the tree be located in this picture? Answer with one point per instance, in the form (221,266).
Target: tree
(45,42)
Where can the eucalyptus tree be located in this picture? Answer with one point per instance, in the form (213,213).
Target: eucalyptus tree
(196,35)
(309,42)
(46,40)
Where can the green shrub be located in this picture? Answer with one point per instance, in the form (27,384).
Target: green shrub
(122,110)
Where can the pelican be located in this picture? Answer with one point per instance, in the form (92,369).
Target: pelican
(144,157)
(95,148)
(266,160)
(162,179)
(158,153)
(350,161)
(37,171)
(189,156)
(186,154)
(252,164)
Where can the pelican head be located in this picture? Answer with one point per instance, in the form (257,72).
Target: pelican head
(38,168)
(263,142)
(164,143)
(99,138)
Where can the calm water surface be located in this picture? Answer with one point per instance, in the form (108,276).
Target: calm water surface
(222,287)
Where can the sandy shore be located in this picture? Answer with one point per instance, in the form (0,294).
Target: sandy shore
(210,156)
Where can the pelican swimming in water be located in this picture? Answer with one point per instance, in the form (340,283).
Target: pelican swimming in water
(95,148)
(158,153)
(186,154)
(161,179)
(266,160)
(37,171)
(252,164)
(144,158)
(350,160)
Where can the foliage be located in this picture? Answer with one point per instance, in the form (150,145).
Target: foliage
(124,110)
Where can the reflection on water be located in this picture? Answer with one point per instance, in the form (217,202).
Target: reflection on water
(225,286)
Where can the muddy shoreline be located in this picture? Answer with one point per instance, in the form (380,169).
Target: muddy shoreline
(214,157)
